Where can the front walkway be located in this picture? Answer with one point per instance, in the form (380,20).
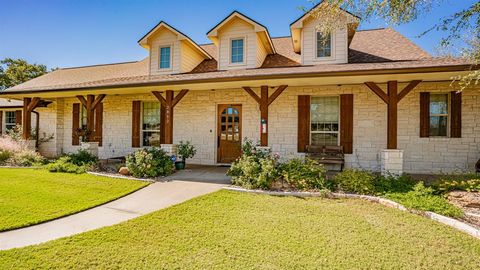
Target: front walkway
(154,197)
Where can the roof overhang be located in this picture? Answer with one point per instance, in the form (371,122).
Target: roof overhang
(426,74)
(261,30)
(297,26)
(181,36)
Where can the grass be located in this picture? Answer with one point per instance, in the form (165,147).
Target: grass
(29,196)
(228,230)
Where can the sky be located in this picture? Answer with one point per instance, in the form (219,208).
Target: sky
(69,33)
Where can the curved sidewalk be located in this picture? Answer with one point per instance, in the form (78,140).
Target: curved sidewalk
(149,199)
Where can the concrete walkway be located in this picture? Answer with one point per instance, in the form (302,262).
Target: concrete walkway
(151,198)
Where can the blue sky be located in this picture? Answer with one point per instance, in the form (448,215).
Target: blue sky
(66,33)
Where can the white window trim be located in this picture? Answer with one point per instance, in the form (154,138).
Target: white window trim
(332,51)
(447,115)
(141,123)
(244,63)
(324,132)
(4,120)
(160,56)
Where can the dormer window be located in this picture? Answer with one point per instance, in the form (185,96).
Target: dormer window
(324,45)
(237,50)
(165,57)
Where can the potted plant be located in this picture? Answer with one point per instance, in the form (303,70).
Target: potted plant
(185,150)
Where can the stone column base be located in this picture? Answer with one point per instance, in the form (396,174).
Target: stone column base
(170,149)
(90,147)
(31,145)
(392,162)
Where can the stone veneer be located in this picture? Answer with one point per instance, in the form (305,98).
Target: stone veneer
(195,120)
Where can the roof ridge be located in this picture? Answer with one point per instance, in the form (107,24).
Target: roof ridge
(98,65)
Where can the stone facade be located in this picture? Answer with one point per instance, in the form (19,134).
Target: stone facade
(195,119)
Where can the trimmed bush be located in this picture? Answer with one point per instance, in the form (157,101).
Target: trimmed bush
(393,183)
(422,198)
(355,181)
(149,162)
(65,164)
(304,174)
(26,158)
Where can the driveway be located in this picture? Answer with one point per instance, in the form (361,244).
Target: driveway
(151,198)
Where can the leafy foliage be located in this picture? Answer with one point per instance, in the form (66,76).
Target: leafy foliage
(304,174)
(472,185)
(149,162)
(423,198)
(356,181)
(393,183)
(78,162)
(17,71)
(186,150)
(16,153)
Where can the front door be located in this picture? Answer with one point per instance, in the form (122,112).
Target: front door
(229,133)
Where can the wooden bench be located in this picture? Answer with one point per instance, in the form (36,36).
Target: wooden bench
(327,155)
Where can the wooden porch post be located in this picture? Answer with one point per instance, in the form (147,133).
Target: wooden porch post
(264,101)
(169,103)
(29,104)
(90,104)
(391,98)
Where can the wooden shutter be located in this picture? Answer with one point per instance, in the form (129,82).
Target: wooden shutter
(456,114)
(18,117)
(346,123)
(99,124)
(424,114)
(1,122)
(75,123)
(162,123)
(303,122)
(136,123)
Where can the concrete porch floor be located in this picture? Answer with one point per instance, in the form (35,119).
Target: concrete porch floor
(202,173)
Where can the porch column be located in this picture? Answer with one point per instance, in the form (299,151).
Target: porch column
(392,158)
(168,103)
(91,103)
(264,102)
(29,104)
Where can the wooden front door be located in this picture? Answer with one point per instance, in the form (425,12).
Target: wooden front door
(229,133)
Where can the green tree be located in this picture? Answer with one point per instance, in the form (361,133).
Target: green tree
(461,28)
(17,71)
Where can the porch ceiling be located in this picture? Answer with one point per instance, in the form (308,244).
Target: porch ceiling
(343,78)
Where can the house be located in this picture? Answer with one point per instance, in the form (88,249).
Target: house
(374,92)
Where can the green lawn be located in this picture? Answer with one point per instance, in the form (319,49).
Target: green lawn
(228,230)
(29,196)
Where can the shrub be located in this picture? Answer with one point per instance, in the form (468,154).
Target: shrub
(26,158)
(4,156)
(83,157)
(65,164)
(304,174)
(151,162)
(422,198)
(393,183)
(472,185)
(356,181)
(256,168)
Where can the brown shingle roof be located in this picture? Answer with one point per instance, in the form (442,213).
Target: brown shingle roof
(389,51)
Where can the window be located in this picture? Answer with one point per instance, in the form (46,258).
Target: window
(10,120)
(165,57)
(324,45)
(438,115)
(237,51)
(83,118)
(324,120)
(151,124)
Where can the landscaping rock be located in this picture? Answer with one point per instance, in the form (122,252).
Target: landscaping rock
(124,171)
(465,199)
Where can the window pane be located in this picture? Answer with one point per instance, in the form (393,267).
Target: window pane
(151,138)
(438,125)
(237,51)
(10,120)
(324,45)
(329,139)
(439,104)
(165,57)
